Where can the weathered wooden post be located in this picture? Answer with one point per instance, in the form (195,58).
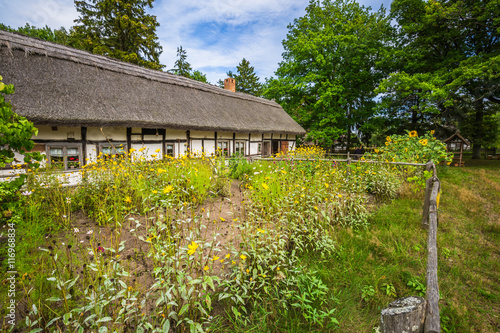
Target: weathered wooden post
(432,324)
(404,315)
(414,314)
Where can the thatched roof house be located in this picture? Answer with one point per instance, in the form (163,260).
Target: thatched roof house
(58,85)
(85,104)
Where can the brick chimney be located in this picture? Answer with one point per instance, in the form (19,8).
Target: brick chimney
(230,84)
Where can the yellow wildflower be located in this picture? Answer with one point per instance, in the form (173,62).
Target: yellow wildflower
(168,189)
(227,256)
(388,139)
(243,257)
(264,186)
(192,248)
(215,258)
(222,219)
(205,268)
(127,199)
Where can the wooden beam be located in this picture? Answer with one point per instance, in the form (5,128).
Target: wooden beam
(84,145)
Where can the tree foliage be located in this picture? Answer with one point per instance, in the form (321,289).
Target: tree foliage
(183,68)
(449,59)
(120,29)
(327,78)
(246,79)
(15,131)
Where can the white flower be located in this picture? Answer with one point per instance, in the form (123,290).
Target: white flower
(64,216)
(90,232)
(63,243)
(68,200)
(76,230)
(26,193)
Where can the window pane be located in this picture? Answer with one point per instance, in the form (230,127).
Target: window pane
(170,149)
(56,157)
(119,151)
(73,158)
(56,152)
(72,151)
(106,150)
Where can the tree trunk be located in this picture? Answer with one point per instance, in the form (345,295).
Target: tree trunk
(406,314)
(477,138)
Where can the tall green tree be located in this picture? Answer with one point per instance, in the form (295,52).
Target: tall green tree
(327,78)
(120,29)
(246,79)
(451,55)
(181,66)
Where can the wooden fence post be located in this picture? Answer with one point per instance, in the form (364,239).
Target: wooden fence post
(432,324)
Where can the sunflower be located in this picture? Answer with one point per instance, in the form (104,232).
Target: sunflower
(413,134)
(423,142)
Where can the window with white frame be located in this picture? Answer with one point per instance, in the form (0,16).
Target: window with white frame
(64,156)
(239,148)
(116,149)
(170,149)
(223,147)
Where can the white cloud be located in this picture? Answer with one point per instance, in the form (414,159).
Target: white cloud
(54,13)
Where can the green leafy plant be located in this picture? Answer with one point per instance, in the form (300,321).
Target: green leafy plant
(417,286)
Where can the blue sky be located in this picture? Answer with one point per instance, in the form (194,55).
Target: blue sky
(217,34)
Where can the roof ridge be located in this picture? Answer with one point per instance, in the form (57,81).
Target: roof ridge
(55,50)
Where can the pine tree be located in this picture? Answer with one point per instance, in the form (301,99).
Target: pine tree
(120,29)
(246,79)
(181,67)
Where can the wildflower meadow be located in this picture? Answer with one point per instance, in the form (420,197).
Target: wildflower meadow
(210,243)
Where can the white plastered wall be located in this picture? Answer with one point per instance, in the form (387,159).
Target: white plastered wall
(209,147)
(107,133)
(241,136)
(91,153)
(202,134)
(148,151)
(225,135)
(196,147)
(173,134)
(61,133)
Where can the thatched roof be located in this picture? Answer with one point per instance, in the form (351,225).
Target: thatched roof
(58,85)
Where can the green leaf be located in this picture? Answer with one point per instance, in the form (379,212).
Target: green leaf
(183,309)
